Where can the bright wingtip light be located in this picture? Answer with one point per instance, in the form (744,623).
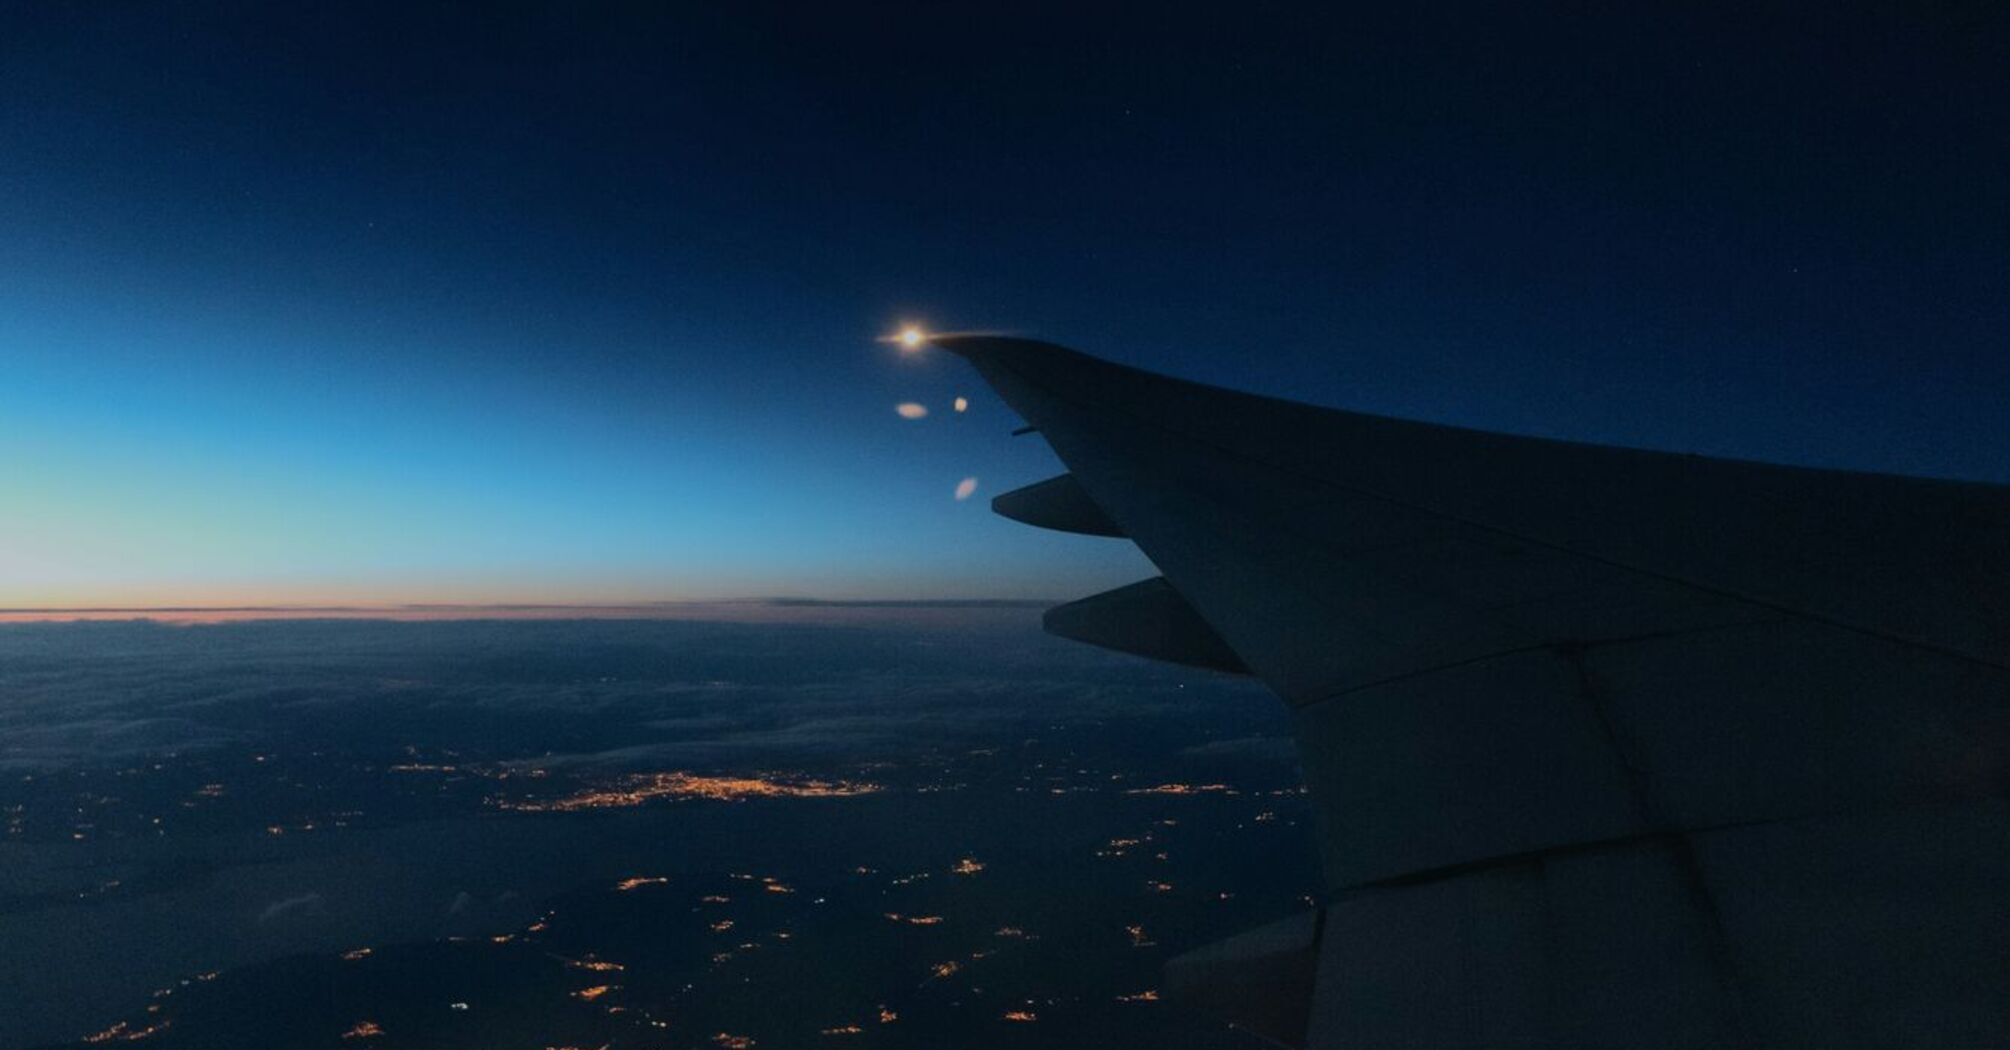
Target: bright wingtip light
(911,338)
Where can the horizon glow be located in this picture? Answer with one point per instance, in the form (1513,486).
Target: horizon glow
(347,318)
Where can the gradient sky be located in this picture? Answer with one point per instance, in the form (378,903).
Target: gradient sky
(395,302)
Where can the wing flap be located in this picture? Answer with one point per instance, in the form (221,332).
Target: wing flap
(1149,619)
(1260,980)
(1598,948)
(1058,503)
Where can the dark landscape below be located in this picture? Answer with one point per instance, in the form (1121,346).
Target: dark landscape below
(618,833)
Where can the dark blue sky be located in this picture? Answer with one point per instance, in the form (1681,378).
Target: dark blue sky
(401,302)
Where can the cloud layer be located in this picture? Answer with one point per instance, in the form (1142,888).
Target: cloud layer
(616,694)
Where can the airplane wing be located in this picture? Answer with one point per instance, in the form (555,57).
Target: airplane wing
(1606,748)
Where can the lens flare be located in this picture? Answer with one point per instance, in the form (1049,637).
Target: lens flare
(911,409)
(966,488)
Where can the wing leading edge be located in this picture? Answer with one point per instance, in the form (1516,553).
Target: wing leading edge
(1606,747)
